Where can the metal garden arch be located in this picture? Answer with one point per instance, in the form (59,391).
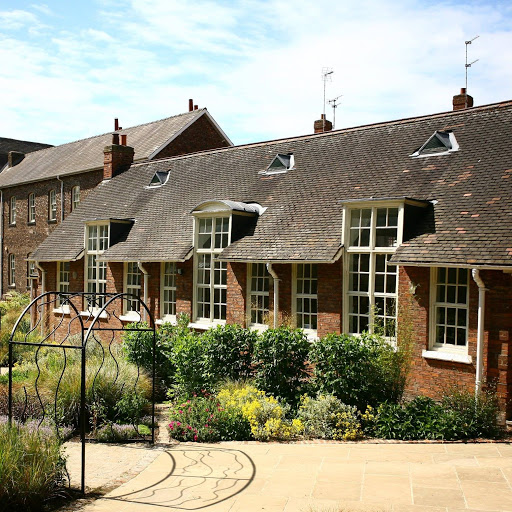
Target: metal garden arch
(74,326)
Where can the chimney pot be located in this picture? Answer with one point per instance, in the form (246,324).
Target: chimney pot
(322,125)
(190,105)
(115,138)
(195,107)
(462,100)
(123,139)
(116,124)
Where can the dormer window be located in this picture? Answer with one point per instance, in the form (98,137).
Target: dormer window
(159,179)
(280,164)
(440,143)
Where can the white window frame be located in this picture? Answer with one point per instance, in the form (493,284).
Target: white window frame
(63,280)
(12,270)
(99,265)
(12,211)
(31,269)
(213,253)
(52,205)
(433,345)
(131,268)
(259,295)
(307,296)
(170,289)
(75,197)
(372,250)
(31,201)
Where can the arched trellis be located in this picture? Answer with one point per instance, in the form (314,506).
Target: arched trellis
(79,323)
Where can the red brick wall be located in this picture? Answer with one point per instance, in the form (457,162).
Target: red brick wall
(236,293)
(432,377)
(330,292)
(200,136)
(23,238)
(184,288)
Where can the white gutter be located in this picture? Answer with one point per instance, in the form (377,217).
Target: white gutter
(43,290)
(480,330)
(61,198)
(146,286)
(272,272)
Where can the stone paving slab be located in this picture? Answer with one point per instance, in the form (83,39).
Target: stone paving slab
(273,477)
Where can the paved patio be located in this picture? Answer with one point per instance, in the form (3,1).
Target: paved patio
(312,477)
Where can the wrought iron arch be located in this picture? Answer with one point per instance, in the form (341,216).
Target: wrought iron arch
(79,323)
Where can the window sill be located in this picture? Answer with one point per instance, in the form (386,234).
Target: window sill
(12,224)
(62,310)
(204,326)
(259,328)
(52,221)
(31,223)
(92,314)
(131,317)
(447,356)
(166,320)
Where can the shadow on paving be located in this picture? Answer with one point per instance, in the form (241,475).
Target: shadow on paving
(194,478)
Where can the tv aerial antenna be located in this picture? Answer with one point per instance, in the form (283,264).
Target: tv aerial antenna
(467,43)
(334,102)
(326,77)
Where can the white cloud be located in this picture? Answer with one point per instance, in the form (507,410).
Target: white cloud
(255,64)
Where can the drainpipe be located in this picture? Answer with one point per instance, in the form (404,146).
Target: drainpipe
(146,285)
(43,290)
(61,199)
(2,244)
(276,280)
(480,330)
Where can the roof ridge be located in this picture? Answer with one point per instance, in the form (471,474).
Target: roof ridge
(120,131)
(331,133)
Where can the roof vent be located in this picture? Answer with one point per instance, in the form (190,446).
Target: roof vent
(440,143)
(280,164)
(159,179)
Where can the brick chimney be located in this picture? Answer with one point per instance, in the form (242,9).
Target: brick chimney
(462,100)
(322,125)
(117,158)
(14,158)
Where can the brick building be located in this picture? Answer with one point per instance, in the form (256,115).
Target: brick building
(39,189)
(405,225)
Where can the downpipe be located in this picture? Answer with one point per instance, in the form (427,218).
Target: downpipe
(276,280)
(475,273)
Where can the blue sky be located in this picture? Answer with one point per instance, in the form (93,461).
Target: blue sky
(69,68)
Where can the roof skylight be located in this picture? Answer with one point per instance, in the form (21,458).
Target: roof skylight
(440,143)
(159,179)
(280,164)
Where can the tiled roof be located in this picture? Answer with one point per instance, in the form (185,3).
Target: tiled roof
(87,154)
(22,146)
(469,221)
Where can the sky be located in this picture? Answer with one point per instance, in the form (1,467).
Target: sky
(69,68)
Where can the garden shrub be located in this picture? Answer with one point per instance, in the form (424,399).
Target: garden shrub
(280,359)
(203,418)
(459,415)
(117,433)
(10,310)
(469,416)
(266,415)
(32,468)
(359,370)
(228,352)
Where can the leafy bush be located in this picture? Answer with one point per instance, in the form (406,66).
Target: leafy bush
(31,467)
(10,310)
(203,419)
(266,415)
(469,416)
(360,371)
(421,418)
(280,358)
(117,433)
(228,352)
(460,415)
